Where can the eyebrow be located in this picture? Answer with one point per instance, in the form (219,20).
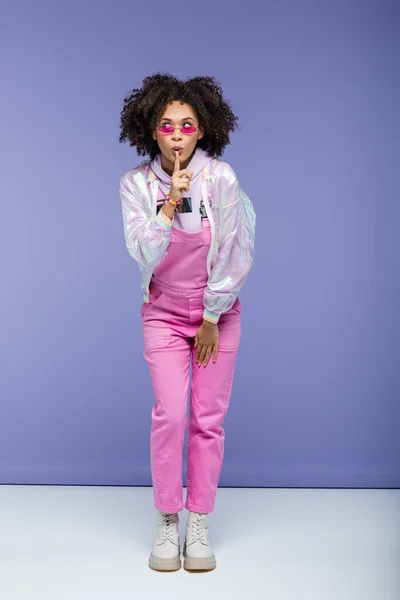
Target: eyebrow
(184,119)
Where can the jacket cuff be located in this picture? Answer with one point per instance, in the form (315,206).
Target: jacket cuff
(211,316)
(164,222)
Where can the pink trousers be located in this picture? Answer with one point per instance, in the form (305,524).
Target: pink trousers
(170,322)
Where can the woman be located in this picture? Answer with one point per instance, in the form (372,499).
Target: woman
(191,230)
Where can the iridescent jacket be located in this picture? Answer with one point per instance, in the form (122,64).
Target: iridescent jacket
(232,222)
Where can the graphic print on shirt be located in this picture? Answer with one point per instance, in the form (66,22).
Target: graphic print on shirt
(203,208)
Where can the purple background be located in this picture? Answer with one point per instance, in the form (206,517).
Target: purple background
(316,392)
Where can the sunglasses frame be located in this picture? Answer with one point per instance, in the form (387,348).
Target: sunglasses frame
(181,127)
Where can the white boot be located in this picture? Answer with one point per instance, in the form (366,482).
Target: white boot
(165,555)
(197,549)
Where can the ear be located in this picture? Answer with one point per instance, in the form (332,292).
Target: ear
(201,134)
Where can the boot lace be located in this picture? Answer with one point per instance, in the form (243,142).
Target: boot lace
(197,528)
(168,527)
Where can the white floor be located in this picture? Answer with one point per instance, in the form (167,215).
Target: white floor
(84,543)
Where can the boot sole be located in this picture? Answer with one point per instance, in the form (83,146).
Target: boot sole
(164,564)
(204,563)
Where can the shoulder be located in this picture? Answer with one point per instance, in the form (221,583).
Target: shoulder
(138,171)
(224,173)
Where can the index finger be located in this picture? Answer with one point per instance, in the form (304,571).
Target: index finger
(177,162)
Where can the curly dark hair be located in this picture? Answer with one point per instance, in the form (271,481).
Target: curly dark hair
(144,107)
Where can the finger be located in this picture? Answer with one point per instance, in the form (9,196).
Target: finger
(182,187)
(202,354)
(181,184)
(195,341)
(207,358)
(177,163)
(185,173)
(215,352)
(180,181)
(199,348)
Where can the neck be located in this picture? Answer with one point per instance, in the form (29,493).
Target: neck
(168,166)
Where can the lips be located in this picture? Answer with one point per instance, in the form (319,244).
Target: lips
(177,148)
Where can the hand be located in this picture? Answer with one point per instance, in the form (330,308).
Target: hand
(180,180)
(206,339)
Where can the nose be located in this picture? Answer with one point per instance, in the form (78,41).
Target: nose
(177,135)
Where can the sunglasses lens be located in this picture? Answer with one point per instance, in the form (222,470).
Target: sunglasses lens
(166,129)
(189,129)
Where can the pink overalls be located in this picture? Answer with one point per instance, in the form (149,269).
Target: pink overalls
(170,321)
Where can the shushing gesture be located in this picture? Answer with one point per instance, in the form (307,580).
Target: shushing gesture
(180,180)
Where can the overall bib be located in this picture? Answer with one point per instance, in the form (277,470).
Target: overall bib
(170,321)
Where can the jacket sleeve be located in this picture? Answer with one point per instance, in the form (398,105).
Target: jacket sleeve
(237,221)
(147,238)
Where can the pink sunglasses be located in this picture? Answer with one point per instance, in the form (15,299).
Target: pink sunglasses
(184,128)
